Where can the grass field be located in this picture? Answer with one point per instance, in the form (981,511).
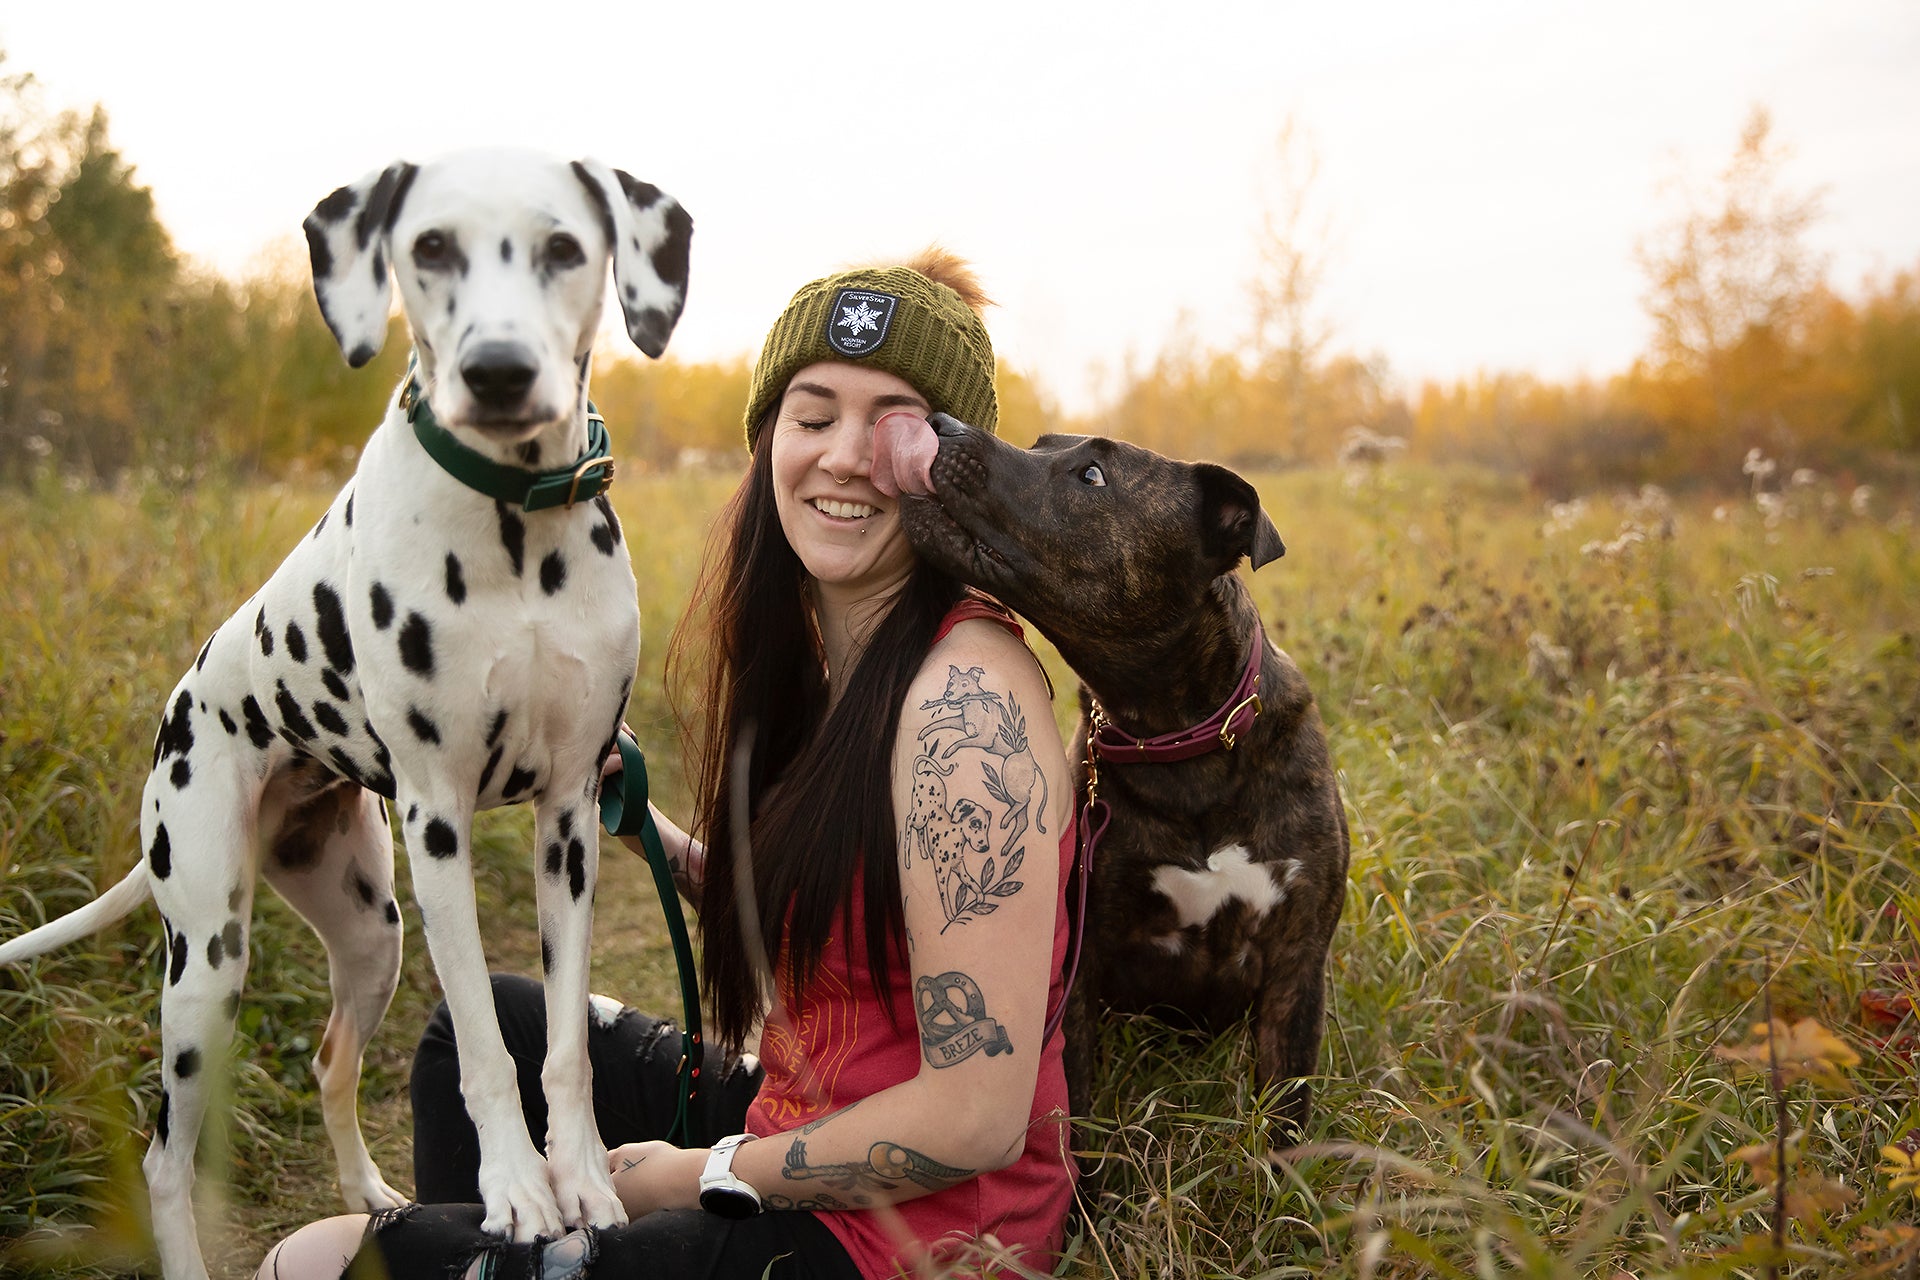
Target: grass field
(1623,780)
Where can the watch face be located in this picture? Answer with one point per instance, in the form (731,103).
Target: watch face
(728,1202)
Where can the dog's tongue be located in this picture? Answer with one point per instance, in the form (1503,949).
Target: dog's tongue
(903,448)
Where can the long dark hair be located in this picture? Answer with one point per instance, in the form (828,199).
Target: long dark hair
(819,784)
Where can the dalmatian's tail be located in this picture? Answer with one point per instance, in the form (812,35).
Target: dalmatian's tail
(110,906)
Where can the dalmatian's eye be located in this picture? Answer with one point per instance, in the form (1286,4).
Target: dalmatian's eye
(430,249)
(564,251)
(1093,476)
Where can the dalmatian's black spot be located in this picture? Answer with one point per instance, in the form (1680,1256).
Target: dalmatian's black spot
(546,954)
(364,352)
(499,725)
(330,719)
(517,783)
(346,766)
(382,604)
(416,645)
(506,249)
(381,756)
(379,277)
(441,840)
(181,775)
(175,735)
(456,581)
(233,1005)
(296,642)
(393,912)
(513,536)
(200,662)
(335,207)
(606,536)
(486,774)
(335,685)
(363,887)
(413,814)
(553,572)
(160,853)
(576,868)
(303,831)
(179,966)
(259,733)
(290,714)
(530,453)
(423,727)
(186,1063)
(235,938)
(321,523)
(216,951)
(670,257)
(347,515)
(556,859)
(233,899)
(334,637)
(226,722)
(262,630)
(162,1123)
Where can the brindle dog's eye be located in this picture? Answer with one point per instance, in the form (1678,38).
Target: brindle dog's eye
(430,248)
(1094,476)
(564,251)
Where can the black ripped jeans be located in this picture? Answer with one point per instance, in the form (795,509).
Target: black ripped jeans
(635,1092)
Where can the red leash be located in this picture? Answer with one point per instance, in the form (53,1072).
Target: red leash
(1109,742)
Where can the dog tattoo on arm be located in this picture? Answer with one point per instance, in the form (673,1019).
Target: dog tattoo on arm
(948,833)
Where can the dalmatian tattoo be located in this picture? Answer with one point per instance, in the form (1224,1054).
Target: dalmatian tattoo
(986,733)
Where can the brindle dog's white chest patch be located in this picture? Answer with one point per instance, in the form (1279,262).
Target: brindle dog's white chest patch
(1197,896)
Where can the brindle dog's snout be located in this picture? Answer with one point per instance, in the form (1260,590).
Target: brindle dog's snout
(499,374)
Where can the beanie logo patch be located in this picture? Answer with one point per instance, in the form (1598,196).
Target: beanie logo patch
(858,321)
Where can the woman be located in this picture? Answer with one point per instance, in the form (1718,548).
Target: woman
(908,832)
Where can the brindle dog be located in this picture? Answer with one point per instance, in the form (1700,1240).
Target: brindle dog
(1216,888)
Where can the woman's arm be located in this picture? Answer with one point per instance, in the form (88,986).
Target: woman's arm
(686,856)
(981,791)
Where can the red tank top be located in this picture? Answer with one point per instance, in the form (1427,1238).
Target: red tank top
(832,1043)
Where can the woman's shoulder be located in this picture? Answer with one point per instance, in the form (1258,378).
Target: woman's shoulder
(982,647)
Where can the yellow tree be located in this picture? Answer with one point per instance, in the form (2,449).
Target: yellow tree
(1729,285)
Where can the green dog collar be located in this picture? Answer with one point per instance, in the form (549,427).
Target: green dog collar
(590,475)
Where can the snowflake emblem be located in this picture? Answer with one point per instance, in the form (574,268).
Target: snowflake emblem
(859,318)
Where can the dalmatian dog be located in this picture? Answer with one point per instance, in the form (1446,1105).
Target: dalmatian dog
(428,645)
(944,835)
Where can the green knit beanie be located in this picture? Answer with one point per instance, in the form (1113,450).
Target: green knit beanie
(891,318)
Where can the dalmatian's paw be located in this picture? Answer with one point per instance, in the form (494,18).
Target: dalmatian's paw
(369,1193)
(519,1202)
(585,1194)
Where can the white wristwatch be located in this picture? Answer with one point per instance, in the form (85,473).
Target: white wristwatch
(720,1191)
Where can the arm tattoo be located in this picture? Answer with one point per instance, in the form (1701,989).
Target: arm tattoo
(953,1030)
(957,837)
(888,1164)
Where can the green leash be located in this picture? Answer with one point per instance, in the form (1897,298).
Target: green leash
(623,812)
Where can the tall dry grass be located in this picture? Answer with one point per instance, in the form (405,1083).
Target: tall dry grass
(1622,779)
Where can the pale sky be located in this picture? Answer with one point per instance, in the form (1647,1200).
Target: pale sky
(1487,168)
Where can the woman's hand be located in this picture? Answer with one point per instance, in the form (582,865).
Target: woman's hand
(648,1176)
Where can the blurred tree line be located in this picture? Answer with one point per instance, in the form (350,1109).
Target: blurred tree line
(118,354)
(1752,347)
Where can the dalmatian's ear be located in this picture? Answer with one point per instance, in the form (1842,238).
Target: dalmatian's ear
(651,236)
(347,238)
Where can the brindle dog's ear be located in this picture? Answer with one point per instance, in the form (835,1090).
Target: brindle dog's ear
(1232,524)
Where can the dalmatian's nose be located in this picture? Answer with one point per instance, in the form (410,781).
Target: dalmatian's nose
(498,374)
